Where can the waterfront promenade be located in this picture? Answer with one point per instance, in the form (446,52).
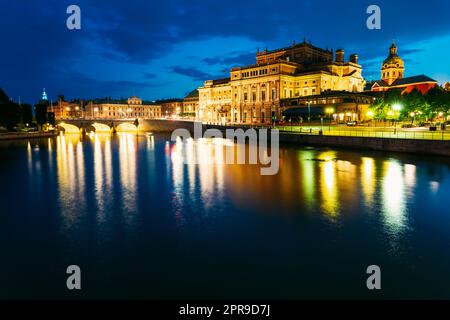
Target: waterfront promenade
(370,132)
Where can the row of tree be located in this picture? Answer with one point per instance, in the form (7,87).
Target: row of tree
(435,104)
(13,115)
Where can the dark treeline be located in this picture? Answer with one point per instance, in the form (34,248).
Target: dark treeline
(17,117)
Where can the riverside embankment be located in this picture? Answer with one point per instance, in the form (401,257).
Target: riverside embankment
(25,135)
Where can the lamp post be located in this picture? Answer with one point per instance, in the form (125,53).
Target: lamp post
(309,115)
(396,107)
(412,115)
(329,111)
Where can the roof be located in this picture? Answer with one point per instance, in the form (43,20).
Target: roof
(370,84)
(400,82)
(412,80)
(301,44)
(221,81)
(192,94)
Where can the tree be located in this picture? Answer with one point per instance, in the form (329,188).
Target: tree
(41,114)
(10,115)
(51,119)
(27,114)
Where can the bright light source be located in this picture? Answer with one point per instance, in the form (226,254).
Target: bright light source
(412,114)
(95,109)
(370,113)
(397,107)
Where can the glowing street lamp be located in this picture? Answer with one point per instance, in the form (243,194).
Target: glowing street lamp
(397,107)
(329,111)
(412,115)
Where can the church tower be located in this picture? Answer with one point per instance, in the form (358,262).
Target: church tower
(393,67)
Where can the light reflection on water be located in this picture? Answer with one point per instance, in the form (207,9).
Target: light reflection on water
(315,178)
(110,191)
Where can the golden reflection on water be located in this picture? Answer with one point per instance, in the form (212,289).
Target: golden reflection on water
(368,179)
(308,177)
(393,192)
(128,175)
(328,183)
(71,181)
(332,183)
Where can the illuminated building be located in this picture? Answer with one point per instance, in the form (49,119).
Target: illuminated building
(66,109)
(171,107)
(392,76)
(254,94)
(336,106)
(131,109)
(190,105)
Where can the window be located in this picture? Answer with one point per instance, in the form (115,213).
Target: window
(245,96)
(263,96)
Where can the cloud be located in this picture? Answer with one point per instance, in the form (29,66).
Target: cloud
(194,73)
(149,75)
(38,50)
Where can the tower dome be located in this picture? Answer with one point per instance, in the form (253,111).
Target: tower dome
(393,67)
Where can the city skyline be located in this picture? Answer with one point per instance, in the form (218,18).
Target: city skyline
(117,53)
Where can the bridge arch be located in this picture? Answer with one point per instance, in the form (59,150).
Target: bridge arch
(126,127)
(101,127)
(69,128)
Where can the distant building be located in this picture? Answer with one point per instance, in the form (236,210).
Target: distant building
(254,94)
(66,109)
(392,76)
(190,105)
(336,106)
(130,109)
(172,107)
(446,86)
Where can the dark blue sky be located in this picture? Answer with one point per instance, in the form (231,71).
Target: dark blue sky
(162,49)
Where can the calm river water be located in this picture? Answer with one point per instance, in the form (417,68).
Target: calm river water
(141,224)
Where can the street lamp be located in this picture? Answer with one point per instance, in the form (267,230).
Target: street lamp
(329,111)
(396,107)
(309,115)
(412,115)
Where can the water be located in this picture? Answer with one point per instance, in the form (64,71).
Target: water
(141,224)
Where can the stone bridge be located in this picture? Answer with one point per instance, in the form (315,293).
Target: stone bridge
(96,125)
(122,125)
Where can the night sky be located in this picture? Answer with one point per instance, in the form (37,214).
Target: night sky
(164,49)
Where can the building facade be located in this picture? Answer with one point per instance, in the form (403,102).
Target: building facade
(132,109)
(190,105)
(172,108)
(336,106)
(254,94)
(66,109)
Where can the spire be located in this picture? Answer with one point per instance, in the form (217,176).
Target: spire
(44,95)
(393,49)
